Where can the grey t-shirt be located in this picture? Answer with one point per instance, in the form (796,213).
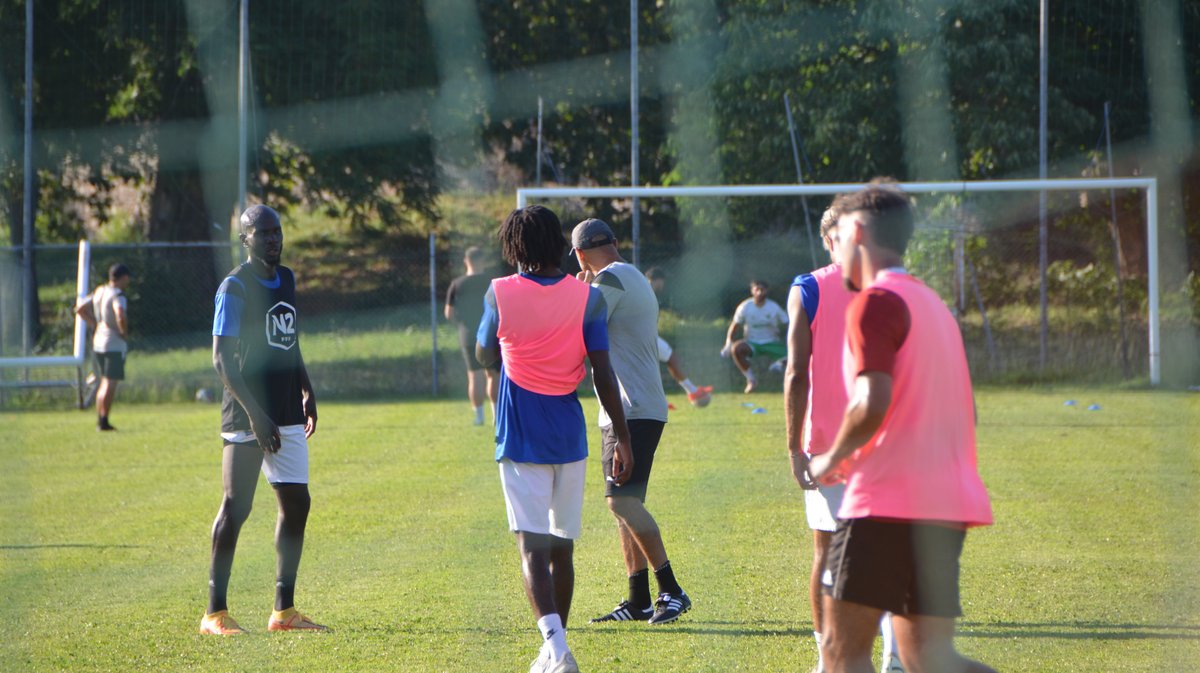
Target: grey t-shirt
(633,341)
(107,338)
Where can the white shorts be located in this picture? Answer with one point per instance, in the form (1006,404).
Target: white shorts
(290,464)
(664,350)
(545,499)
(821,505)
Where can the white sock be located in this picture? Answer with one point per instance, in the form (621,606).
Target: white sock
(820,659)
(688,386)
(749,374)
(554,635)
(479,415)
(889,636)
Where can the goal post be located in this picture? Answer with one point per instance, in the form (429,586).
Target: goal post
(1148,184)
(79,342)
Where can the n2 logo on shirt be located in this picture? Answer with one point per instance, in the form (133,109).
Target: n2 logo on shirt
(281,326)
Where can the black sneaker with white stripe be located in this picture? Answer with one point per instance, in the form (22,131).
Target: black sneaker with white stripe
(626,613)
(668,607)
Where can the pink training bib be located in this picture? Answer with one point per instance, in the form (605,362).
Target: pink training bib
(920,464)
(541,332)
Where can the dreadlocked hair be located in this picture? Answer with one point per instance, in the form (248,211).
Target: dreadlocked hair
(532,238)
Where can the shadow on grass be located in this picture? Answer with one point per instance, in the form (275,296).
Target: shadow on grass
(1091,630)
(68,545)
(736,629)
(1006,630)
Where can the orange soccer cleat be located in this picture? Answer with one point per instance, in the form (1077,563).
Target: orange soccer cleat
(220,623)
(291,620)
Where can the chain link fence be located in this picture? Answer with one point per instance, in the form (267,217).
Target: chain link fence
(368,316)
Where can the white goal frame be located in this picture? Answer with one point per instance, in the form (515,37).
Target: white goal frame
(1150,185)
(78,349)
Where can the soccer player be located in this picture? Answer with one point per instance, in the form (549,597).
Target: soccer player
(464,306)
(633,343)
(760,319)
(814,394)
(699,396)
(107,311)
(541,324)
(905,450)
(268,412)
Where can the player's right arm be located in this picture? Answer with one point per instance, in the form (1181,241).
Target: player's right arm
(86,309)
(877,323)
(869,403)
(225,362)
(796,385)
(448,311)
(487,342)
(733,325)
(227,322)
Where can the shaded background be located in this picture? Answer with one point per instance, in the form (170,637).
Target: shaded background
(377,126)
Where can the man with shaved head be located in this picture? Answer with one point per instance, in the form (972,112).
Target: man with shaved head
(268,412)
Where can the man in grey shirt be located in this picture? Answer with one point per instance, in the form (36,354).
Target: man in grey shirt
(633,349)
(108,312)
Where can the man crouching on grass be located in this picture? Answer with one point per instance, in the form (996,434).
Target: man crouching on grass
(905,449)
(544,323)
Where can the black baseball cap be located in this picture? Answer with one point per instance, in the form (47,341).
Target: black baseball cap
(592,233)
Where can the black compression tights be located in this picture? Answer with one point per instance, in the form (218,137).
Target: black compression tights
(294,504)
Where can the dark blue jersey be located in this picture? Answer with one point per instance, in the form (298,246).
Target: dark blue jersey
(261,315)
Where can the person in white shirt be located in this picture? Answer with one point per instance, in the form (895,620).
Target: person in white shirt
(107,311)
(761,320)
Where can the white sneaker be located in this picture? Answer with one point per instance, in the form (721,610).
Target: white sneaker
(539,664)
(778,365)
(891,665)
(565,665)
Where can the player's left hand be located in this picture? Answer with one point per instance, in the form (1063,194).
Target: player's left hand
(822,470)
(800,463)
(310,416)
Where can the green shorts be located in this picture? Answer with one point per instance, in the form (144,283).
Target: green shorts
(774,349)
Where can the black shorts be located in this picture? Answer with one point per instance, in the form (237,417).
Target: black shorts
(466,342)
(902,567)
(643,439)
(111,366)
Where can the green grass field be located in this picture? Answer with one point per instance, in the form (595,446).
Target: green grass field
(1094,563)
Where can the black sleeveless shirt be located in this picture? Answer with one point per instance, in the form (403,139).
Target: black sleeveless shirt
(268,350)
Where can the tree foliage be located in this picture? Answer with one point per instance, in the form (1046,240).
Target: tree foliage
(347,96)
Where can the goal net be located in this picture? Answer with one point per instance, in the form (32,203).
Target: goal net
(1082,306)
